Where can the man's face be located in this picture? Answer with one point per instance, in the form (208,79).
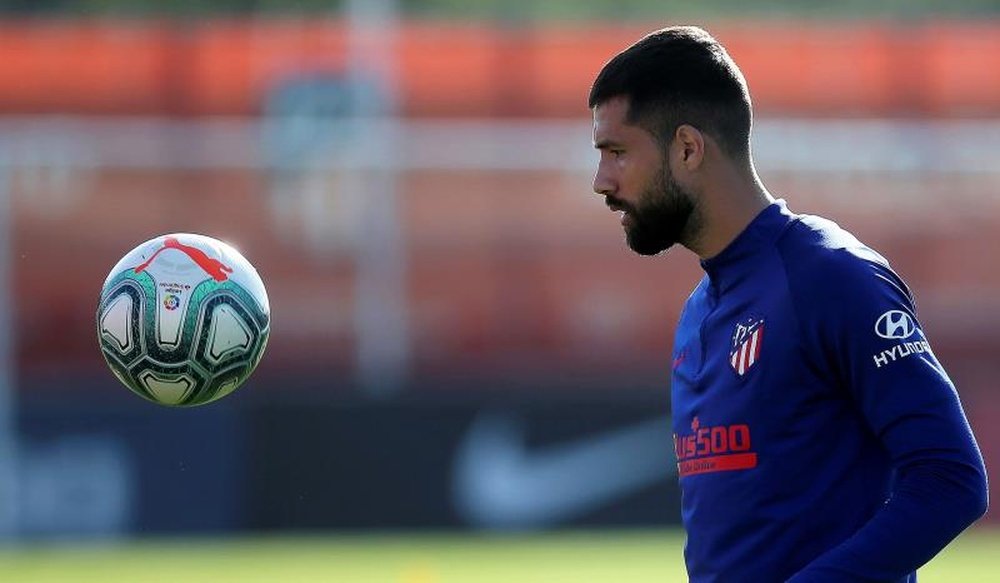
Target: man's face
(634,177)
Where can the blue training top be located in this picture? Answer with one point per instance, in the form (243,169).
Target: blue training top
(817,436)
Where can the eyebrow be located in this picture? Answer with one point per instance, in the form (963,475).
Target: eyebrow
(606,144)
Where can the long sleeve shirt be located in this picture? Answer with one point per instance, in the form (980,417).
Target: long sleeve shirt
(818,438)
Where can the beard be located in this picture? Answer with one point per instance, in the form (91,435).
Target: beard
(663,216)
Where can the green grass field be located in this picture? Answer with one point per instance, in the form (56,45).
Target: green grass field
(606,557)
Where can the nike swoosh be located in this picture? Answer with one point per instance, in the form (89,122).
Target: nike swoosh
(499,483)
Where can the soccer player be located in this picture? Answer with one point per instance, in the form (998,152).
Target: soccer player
(817,436)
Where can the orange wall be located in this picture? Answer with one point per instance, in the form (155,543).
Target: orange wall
(226,67)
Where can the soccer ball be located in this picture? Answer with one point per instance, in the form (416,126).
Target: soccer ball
(183,319)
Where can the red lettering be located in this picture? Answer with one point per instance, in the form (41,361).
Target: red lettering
(719,440)
(704,445)
(722,463)
(739,437)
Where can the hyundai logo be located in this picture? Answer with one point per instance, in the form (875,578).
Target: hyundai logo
(895,324)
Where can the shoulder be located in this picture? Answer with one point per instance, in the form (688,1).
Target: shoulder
(836,282)
(821,259)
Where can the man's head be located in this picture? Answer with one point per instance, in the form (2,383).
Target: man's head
(674,90)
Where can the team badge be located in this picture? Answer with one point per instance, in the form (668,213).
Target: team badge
(747,340)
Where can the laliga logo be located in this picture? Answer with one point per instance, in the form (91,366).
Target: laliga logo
(171,302)
(895,324)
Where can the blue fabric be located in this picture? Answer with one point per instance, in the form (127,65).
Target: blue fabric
(818,438)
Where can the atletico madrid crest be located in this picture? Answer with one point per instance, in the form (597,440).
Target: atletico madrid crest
(747,340)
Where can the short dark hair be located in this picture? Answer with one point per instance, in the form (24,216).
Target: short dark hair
(680,75)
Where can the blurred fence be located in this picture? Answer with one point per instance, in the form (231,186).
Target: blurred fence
(508,265)
(451,302)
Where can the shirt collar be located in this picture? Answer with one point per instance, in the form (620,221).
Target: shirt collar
(762,231)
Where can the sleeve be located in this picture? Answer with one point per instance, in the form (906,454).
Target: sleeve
(865,328)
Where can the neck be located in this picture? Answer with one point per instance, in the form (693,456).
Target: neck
(726,208)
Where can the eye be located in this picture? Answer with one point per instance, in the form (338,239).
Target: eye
(617,153)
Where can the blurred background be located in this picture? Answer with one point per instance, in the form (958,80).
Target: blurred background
(464,355)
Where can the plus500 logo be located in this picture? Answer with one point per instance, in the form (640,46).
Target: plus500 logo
(718,440)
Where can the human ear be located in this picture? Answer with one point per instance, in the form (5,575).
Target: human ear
(691,146)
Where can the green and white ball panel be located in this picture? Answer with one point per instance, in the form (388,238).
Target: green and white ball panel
(170,317)
(228,335)
(116,323)
(169,389)
(121,319)
(230,329)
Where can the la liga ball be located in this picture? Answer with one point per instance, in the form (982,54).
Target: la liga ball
(183,319)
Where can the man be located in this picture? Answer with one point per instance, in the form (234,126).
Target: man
(817,436)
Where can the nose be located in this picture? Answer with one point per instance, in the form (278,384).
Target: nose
(603,184)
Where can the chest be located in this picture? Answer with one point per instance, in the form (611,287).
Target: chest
(735,358)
